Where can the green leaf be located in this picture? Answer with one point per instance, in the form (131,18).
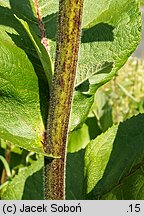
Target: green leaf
(27,185)
(131,187)
(80,109)
(20,103)
(78,139)
(43,54)
(102,110)
(93,127)
(5,3)
(75,176)
(23,85)
(114,159)
(108,41)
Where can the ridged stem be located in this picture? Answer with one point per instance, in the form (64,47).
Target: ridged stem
(69,29)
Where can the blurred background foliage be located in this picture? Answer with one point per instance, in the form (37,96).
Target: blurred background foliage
(142,2)
(123,96)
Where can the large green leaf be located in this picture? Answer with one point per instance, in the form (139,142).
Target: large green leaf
(20,105)
(108,41)
(114,162)
(27,185)
(23,86)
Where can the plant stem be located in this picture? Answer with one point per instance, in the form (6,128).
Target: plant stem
(44,40)
(69,29)
(6,171)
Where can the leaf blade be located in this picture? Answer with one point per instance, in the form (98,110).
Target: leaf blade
(112,156)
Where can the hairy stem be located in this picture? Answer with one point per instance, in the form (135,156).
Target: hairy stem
(69,28)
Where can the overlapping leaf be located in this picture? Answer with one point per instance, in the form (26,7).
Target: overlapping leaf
(114,162)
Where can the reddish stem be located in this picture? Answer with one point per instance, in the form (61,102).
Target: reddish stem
(41,27)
